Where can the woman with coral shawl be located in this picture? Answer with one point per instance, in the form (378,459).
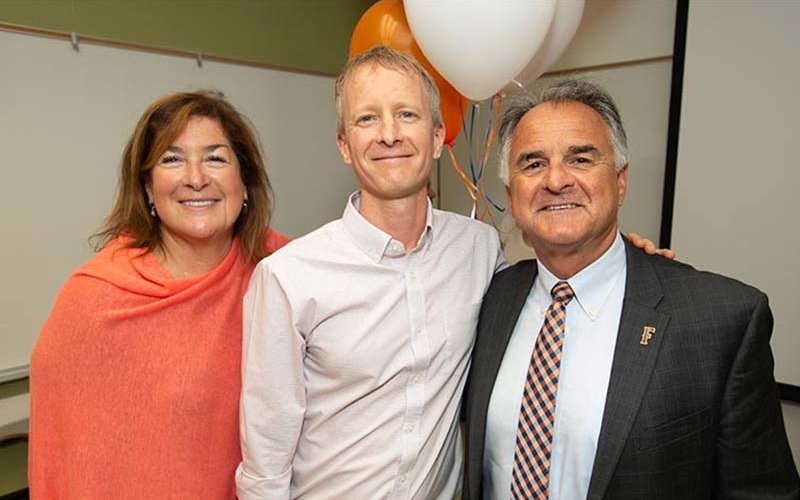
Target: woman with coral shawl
(135,377)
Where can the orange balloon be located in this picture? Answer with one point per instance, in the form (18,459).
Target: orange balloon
(385,24)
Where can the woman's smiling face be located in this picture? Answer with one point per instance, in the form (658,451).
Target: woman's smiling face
(196,186)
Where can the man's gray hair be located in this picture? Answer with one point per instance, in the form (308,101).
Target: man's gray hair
(388,58)
(572,90)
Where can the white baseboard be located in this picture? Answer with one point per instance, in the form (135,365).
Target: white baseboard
(15,373)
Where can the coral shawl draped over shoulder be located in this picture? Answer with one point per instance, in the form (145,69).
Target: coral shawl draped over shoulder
(135,380)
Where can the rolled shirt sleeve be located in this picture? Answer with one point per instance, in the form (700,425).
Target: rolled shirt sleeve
(273,400)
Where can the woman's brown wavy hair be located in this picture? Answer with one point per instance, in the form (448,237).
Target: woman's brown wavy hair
(157,129)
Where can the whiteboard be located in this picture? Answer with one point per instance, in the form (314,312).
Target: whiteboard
(64,120)
(737,177)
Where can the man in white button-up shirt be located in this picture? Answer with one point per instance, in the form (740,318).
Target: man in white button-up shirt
(357,337)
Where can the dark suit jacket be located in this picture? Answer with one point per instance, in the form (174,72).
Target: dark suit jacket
(693,414)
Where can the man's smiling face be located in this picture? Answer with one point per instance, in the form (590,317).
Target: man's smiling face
(564,191)
(389,136)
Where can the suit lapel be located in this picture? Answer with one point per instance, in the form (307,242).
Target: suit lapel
(507,314)
(498,318)
(641,331)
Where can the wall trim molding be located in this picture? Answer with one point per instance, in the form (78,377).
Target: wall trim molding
(75,39)
(614,65)
(789,392)
(15,373)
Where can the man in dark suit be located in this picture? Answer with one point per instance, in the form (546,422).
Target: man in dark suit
(600,372)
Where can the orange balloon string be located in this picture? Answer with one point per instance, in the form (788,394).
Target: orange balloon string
(487,210)
(498,101)
(472,189)
(490,137)
(475,190)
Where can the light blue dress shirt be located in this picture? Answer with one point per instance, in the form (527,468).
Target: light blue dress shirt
(588,351)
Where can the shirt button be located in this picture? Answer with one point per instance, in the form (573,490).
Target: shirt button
(410,428)
(402,479)
(418,379)
(418,331)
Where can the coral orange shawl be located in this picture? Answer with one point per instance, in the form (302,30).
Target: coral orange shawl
(135,381)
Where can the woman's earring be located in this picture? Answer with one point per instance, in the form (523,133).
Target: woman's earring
(244,206)
(153,210)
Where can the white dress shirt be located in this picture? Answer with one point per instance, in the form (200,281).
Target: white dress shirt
(355,357)
(587,354)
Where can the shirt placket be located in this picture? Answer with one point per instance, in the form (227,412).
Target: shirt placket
(415,384)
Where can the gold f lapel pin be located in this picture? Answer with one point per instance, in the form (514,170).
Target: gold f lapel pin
(647,334)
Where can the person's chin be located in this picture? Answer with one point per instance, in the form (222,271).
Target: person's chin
(558,236)
(206,234)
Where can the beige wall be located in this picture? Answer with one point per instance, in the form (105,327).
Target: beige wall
(618,31)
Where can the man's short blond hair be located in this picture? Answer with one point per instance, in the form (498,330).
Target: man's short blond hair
(388,58)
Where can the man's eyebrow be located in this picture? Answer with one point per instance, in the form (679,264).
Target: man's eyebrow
(527,156)
(585,148)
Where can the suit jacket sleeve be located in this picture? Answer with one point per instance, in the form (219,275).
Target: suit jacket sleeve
(753,459)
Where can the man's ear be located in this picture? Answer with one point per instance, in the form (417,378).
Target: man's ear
(438,141)
(344,149)
(622,184)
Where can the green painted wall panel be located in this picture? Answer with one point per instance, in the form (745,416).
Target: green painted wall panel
(303,34)
(13,466)
(15,388)
(13,453)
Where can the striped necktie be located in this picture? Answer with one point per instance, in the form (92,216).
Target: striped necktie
(530,477)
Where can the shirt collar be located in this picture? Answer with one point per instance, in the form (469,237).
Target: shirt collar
(593,284)
(374,242)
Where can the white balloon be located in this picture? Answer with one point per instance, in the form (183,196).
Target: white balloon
(479,46)
(562,30)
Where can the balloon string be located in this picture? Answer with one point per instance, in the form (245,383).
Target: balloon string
(472,189)
(498,99)
(476,194)
(491,132)
(472,118)
(467,132)
(519,85)
(491,135)
(486,144)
